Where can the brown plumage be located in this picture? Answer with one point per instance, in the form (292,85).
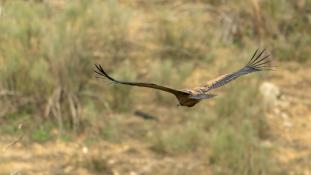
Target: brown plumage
(190,97)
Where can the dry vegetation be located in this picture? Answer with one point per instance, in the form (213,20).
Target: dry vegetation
(47,52)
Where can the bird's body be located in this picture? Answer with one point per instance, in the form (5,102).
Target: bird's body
(190,97)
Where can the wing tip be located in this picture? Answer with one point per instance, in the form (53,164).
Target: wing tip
(260,61)
(101,72)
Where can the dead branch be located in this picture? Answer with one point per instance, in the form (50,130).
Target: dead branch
(8,93)
(14,141)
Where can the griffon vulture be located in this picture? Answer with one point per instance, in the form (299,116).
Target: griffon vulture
(190,97)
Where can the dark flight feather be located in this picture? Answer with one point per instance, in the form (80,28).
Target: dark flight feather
(256,63)
(101,72)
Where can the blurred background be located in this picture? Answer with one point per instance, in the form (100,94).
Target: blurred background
(56,117)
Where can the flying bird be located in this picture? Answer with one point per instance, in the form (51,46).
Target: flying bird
(190,97)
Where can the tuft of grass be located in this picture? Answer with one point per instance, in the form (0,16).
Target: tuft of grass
(293,48)
(116,33)
(66,138)
(179,139)
(41,134)
(121,96)
(237,134)
(164,73)
(181,36)
(111,130)
(10,129)
(287,29)
(243,102)
(237,150)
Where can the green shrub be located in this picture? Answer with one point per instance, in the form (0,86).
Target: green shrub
(237,150)
(41,134)
(179,139)
(236,139)
(182,37)
(111,130)
(47,56)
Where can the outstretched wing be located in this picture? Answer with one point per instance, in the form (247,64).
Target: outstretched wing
(258,62)
(101,72)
